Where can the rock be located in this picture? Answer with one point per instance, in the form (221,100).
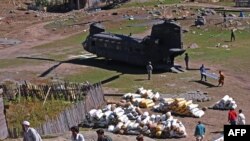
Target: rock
(185,30)
(193,45)
(238,23)
(200,20)
(131,18)
(224,46)
(193,32)
(204,108)
(54,29)
(213,11)
(218,45)
(232,15)
(12,11)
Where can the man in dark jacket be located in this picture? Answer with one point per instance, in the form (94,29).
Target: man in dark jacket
(202,72)
(101,136)
(186,60)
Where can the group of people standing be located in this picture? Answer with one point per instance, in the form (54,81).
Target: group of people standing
(202,69)
(233,119)
(220,78)
(30,134)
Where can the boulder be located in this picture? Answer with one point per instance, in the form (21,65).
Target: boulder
(193,45)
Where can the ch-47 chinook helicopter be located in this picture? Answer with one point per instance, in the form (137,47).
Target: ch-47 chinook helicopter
(160,47)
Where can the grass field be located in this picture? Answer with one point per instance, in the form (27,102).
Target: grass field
(33,111)
(139,3)
(7,63)
(231,58)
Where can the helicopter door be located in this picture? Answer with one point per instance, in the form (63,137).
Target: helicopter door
(151,48)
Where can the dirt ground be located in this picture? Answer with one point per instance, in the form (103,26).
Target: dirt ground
(30,30)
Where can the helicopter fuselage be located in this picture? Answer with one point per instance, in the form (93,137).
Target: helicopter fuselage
(161,47)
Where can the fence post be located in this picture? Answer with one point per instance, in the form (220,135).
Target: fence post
(46,96)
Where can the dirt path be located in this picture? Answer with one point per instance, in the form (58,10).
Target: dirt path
(31,36)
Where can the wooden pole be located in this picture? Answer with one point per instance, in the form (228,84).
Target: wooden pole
(19,93)
(46,96)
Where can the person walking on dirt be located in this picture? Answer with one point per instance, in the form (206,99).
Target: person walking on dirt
(30,134)
(232,35)
(101,136)
(202,72)
(241,118)
(76,136)
(186,60)
(232,116)
(149,70)
(199,131)
(221,79)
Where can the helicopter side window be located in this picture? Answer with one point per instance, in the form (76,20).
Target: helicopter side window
(130,49)
(93,43)
(157,41)
(118,47)
(105,45)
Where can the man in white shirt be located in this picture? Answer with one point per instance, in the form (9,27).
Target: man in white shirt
(76,136)
(241,118)
(30,134)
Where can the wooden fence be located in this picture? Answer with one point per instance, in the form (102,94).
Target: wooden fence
(72,116)
(3,126)
(64,91)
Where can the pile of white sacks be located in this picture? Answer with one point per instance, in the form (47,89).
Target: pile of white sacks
(225,103)
(147,99)
(131,120)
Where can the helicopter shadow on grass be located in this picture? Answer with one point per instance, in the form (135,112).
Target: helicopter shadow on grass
(209,85)
(112,65)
